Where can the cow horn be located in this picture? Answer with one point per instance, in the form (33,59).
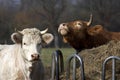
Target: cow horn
(90,21)
(44,31)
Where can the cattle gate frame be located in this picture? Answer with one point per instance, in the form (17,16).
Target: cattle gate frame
(113,58)
(75,57)
(58,66)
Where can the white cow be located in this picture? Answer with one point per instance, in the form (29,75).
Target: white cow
(16,59)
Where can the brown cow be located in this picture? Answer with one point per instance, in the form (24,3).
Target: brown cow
(81,36)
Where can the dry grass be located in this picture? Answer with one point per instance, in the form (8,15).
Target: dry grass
(93,60)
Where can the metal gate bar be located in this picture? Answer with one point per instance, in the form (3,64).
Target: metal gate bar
(57,64)
(74,57)
(113,58)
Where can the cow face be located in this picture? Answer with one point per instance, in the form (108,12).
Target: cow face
(73,27)
(31,41)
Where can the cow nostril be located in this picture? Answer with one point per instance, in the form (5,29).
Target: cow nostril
(35,56)
(32,55)
(63,24)
(38,56)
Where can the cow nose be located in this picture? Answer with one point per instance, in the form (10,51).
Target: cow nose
(35,56)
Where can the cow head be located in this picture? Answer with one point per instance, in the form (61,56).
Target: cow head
(73,27)
(31,41)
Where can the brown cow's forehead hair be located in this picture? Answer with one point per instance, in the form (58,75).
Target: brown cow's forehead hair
(73,23)
(76,25)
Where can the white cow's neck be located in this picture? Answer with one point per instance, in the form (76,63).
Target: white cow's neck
(11,65)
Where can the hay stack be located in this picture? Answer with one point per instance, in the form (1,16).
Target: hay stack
(93,60)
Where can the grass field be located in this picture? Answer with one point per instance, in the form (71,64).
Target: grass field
(47,54)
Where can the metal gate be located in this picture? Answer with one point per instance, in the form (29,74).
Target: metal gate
(57,65)
(75,57)
(113,58)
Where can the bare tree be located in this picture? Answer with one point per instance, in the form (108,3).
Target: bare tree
(45,13)
(105,12)
(50,12)
(5,20)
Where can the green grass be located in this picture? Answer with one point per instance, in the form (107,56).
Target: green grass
(47,54)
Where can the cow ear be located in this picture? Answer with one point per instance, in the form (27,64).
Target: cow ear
(98,28)
(95,30)
(47,38)
(17,37)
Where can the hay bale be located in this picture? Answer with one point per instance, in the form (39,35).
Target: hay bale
(93,60)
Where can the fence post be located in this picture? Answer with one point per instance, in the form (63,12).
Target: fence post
(75,57)
(57,64)
(113,58)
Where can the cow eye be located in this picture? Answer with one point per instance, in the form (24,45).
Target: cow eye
(24,43)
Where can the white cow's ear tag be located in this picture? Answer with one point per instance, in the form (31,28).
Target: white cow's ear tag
(17,37)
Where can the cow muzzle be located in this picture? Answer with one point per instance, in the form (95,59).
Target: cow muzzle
(35,57)
(63,29)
